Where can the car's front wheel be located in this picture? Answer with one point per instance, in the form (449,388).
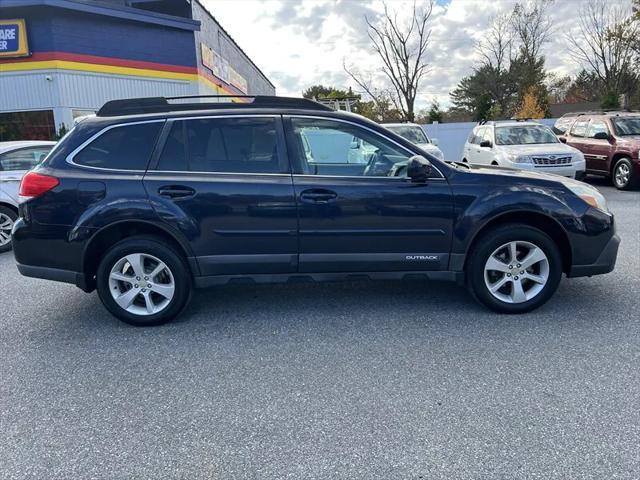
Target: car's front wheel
(514,268)
(7,219)
(143,281)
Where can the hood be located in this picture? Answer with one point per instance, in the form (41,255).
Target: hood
(522,174)
(538,149)
(429,147)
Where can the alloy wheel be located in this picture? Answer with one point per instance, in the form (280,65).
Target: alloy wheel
(516,272)
(141,284)
(6,224)
(622,174)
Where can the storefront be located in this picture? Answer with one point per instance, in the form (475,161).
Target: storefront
(61,59)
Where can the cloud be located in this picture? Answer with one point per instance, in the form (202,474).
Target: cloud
(299,43)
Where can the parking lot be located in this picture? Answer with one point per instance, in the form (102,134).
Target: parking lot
(342,380)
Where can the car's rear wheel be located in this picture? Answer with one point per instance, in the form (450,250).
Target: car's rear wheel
(623,174)
(143,281)
(514,268)
(7,218)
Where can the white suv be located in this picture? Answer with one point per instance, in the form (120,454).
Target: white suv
(416,135)
(524,145)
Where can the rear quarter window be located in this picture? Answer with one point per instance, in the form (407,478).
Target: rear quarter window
(126,147)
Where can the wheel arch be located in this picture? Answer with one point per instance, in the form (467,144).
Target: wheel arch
(545,223)
(10,206)
(111,234)
(614,159)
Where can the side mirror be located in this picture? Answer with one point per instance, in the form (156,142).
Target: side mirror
(434,141)
(486,143)
(601,136)
(355,144)
(563,139)
(418,169)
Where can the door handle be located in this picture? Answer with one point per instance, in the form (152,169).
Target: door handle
(318,195)
(176,191)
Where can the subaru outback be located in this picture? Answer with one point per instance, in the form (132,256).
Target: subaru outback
(155,196)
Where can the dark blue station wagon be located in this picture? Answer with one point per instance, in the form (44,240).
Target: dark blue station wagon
(155,196)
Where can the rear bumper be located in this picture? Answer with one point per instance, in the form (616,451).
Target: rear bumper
(56,274)
(605,263)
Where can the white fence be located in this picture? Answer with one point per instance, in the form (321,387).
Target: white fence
(451,136)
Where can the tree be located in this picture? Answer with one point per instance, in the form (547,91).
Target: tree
(401,50)
(322,91)
(434,114)
(530,107)
(606,46)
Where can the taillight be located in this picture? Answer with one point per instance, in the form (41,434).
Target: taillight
(35,184)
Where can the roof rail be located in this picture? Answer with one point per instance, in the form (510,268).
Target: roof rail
(136,106)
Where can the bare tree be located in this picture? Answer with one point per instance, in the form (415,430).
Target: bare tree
(495,48)
(401,48)
(605,45)
(532,27)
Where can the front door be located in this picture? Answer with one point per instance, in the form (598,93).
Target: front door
(597,149)
(225,182)
(368,220)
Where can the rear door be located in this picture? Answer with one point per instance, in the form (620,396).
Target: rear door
(599,148)
(225,182)
(372,222)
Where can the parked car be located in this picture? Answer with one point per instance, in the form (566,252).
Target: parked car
(151,197)
(610,142)
(416,135)
(15,159)
(524,145)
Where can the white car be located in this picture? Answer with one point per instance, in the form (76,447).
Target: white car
(416,135)
(524,145)
(16,158)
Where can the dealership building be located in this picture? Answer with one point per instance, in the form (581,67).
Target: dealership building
(62,59)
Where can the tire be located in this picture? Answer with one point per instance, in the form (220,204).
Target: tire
(122,270)
(496,245)
(622,177)
(7,219)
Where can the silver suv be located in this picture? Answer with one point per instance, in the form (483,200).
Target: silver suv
(16,158)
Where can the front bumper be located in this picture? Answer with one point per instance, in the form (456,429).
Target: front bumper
(573,170)
(605,263)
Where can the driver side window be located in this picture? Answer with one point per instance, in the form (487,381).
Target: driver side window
(328,147)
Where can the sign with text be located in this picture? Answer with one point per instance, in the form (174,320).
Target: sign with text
(13,38)
(238,81)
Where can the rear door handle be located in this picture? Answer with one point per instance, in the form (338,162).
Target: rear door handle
(176,191)
(318,195)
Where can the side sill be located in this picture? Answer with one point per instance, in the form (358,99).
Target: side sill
(212,280)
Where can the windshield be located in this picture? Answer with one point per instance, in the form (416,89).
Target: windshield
(410,132)
(627,126)
(524,135)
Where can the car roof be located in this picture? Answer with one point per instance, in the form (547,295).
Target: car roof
(513,123)
(17,144)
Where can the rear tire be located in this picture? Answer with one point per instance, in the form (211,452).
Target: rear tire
(623,178)
(7,218)
(514,285)
(143,281)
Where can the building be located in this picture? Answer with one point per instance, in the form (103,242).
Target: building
(61,59)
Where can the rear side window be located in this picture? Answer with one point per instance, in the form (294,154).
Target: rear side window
(223,145)
(24,158)
(579,128)
(126,147)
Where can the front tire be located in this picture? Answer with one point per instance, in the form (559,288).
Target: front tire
(7,218)
(622,177)
(143,281)
(514,269)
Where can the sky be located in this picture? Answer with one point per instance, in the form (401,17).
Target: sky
(300,43)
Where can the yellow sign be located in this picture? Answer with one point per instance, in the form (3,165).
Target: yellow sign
(13,38)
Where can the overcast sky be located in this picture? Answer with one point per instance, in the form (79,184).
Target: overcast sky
(299,43)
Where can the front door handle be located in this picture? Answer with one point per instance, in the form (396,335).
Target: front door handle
(176,191)
(318,195)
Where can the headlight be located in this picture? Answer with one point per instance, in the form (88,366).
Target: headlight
(590,195)
(578,157)
(438,154)
(514,158)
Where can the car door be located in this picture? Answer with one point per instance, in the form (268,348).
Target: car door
(576,139)
(599,149)
(15,163)
(486,153)
(472,149)
(372,222)
(225,182)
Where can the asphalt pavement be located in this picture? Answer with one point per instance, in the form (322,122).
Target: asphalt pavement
(407,380)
